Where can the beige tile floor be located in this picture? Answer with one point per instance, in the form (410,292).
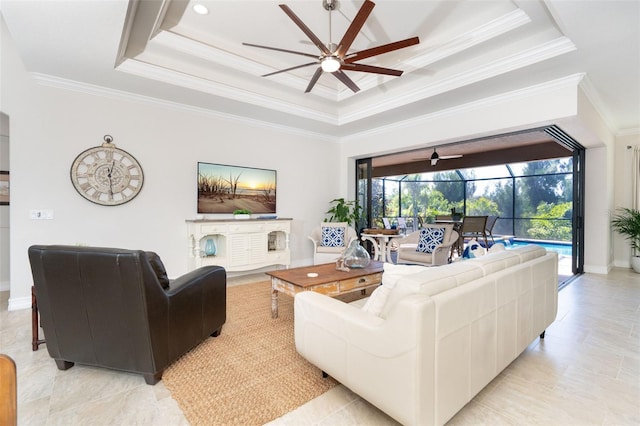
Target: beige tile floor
(585,372)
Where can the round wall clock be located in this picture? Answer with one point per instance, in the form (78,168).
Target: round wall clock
(107,175)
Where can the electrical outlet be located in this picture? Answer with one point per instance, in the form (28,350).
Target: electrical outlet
(46,214)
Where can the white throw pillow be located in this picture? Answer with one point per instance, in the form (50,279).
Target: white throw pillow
(496,248)
(377,301)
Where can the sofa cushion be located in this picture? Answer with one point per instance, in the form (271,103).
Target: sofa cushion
(333,236)
(430,238)
(392,273)
(443,278)
(428,281)
(413,255)
(528,252)
(158,268)
(494,262)
(323,249)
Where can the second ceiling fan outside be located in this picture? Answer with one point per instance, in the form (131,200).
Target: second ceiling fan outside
(335,58)
(435,157)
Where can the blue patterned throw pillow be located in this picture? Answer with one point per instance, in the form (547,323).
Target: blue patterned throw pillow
(430,238)
(332,237)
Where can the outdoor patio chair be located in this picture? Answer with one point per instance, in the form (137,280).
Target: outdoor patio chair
(402,224)
(473,227)
(491,221)
(422,248)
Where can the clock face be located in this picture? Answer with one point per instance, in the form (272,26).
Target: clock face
(107,175)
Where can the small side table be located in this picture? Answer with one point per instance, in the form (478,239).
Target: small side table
(35,338)
(382,251)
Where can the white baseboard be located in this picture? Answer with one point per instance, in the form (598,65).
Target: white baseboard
(17,303)
(592,269)
(622,264)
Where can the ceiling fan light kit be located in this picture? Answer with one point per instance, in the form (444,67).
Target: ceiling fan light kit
(335,58)
(330,64)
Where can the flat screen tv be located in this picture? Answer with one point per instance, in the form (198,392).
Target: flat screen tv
(225,189)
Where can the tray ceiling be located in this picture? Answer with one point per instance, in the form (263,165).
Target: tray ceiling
(468,50)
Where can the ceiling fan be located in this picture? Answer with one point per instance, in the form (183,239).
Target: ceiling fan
(335,58)
(435,157)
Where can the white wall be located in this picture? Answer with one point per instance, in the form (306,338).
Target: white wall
(597,208)
(50,127)
(4,210)
(623,189)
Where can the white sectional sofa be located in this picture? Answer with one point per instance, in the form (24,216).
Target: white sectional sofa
(429,339)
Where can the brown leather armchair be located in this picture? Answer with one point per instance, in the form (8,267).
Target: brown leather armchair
(115,308)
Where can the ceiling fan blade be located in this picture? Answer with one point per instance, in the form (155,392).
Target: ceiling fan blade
(346,80)
(354,28)
(379,50)
(314,79)
(290,69)
(372,69)
(281,50)
(305,29)
(434,157)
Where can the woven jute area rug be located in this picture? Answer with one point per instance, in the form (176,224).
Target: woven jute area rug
(251,373)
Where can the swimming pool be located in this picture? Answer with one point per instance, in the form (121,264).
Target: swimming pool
(563,249)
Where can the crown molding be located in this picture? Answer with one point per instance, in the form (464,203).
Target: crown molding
(173,77)
(94,90)
(462,42)
(629,132)
(534,55)
(222,57)
(485,103)
(495,28)
(592,94)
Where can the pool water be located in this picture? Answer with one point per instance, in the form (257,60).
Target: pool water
(562,249)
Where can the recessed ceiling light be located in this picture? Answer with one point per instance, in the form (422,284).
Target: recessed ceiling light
(200,9)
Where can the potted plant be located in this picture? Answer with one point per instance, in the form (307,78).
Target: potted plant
(344,211)
(627,223)
(242,214)
(457,216)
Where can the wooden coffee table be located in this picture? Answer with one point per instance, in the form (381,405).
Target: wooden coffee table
(328,281)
